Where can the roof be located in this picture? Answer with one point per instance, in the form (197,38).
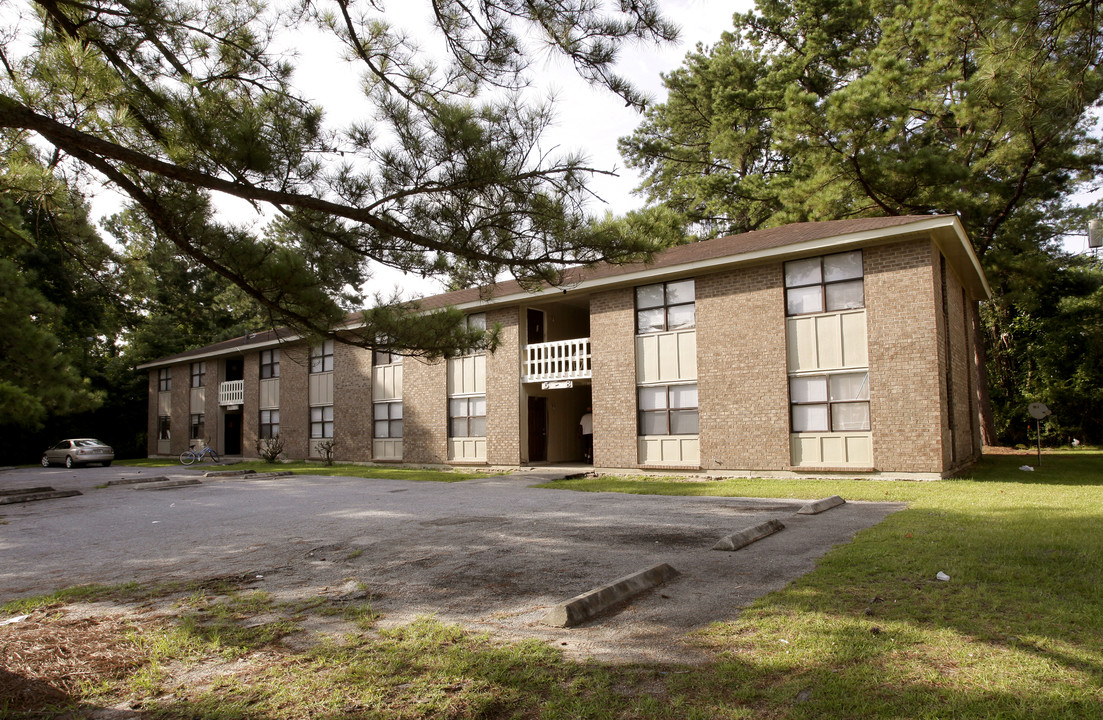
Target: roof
(774,243)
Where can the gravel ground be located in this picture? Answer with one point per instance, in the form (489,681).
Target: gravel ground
(491,554)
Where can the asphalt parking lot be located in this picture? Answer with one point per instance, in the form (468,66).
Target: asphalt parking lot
(492,554)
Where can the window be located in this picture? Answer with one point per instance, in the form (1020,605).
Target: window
(830,403)
(665,306)
(827,283)
(475,321)
(164,380)
(321,358)
(164,428)
(269,423)
(668,410)
(388,420)
(269,364)
(384,357)
(321,421)
(467,416)
(197,424)
(198,374)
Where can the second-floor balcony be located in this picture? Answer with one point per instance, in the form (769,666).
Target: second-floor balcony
(231,392)
(560,360)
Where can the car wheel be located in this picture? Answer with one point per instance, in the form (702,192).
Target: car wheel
(68,461)
(45,461)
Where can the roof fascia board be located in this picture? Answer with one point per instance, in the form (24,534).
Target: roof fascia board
(247,346)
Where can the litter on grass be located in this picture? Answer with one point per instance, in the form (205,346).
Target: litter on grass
(1026,468)
(942,576)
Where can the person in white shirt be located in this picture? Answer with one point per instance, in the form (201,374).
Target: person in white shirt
(586,425)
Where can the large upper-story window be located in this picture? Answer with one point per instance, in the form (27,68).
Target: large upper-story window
(665,306)
(385,357)
(824,284)
(321,357)
(198,374)
(269,364)
(164,380)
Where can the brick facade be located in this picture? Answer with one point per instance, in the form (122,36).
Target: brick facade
(352,403)
(294,407)
(741,370)
(905,378)
(181,409)
(424,411)
(151,416)
(503,390)
(250,415)
(613,346)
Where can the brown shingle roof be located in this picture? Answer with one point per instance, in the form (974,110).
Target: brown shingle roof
(728,246)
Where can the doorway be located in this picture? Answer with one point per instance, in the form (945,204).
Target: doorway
(232,435)
(538,429)
(535,327)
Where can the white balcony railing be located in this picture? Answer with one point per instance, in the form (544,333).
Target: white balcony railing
(561,360)
(231,392)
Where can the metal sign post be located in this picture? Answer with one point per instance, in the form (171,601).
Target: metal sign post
(1038,411)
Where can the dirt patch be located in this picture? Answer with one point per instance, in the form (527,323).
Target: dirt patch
(49,656)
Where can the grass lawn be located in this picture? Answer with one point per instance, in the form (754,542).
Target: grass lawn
(314,468)
(1017,632)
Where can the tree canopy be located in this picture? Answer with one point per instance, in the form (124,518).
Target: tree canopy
(817,110)
(172,102)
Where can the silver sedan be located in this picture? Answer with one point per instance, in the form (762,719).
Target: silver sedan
(78,451)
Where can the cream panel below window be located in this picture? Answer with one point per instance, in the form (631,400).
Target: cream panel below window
(321,388)
(832,449)
(670,450)
(164,403)
(196,399)
(467,375)
(269,394)
(387,449)
(387,382)
(827,342)
(467,449)
(666,357)
(164,447)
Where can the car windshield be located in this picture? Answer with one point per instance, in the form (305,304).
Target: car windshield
(88,443)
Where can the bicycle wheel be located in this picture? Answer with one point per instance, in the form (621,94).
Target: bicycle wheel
(187,457)
(214,456)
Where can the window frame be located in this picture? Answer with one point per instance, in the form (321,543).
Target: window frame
(667,411)
(466,418)
(271,364)
(828,404)
(666,305)
(321,357)
(323,424)
(164,427)
(390,422)
(198,374)
(823,283)
(197,426)
(164,380)
(268,427)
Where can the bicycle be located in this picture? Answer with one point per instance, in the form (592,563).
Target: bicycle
(196,455)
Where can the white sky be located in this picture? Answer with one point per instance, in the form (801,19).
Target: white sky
(588,119)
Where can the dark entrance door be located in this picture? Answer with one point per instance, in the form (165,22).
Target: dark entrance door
(538,429)
(535,326)
(235,368)
(232,436)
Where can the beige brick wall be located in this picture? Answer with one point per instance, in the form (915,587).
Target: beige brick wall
(294,410)
(211,410)
(151,415)
(181,407)
(250,413)
(613,345)
(352,408)
(503,390)
(961,445)
(741,369)
(424,411)
(905,377)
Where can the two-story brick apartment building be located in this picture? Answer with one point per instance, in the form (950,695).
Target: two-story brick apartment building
(814,347)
